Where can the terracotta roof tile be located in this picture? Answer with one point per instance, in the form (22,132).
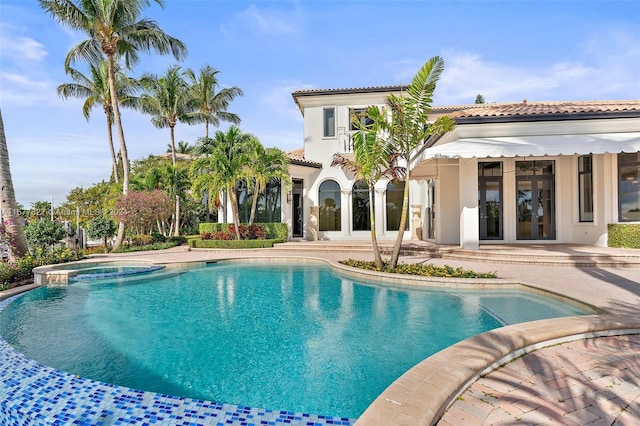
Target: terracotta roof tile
(296,156)
(525,108)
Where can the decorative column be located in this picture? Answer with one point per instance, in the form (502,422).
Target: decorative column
(346,212)
(313,223)
(469,220)
(416,221)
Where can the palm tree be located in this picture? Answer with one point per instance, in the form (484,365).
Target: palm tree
(213,106)
(168,102)
(182,148)
(95,91)
(410,127)
(115,29)
(174,181)
(10,213)
(220,169)
(264,166)
(373,159)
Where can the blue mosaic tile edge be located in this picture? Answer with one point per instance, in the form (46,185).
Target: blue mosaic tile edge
(33,394)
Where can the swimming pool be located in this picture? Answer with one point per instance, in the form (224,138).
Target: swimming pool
(296,338)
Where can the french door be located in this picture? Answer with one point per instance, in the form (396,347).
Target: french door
(535,201)
(490,208)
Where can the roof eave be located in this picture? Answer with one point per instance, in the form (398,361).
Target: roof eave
(302,163)
(547,117)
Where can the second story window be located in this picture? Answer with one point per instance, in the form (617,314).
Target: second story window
(329,122)
(361,114)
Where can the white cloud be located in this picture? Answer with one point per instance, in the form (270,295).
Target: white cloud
(605,66)
(21,48)
(278,101)
(276,22)
(613,72)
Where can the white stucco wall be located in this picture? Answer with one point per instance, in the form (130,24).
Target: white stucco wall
(322,149)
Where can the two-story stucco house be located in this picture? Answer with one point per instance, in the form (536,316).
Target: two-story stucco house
(529,172)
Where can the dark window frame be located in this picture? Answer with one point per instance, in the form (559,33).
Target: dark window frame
(626,160)
(328,131)
(585,193)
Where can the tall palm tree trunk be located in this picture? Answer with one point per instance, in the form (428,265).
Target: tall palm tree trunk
(176,230)
(10,214)
(234,212)
(173,145)
(256,194)
(403,223)
(123,145)
(114,159)
(374,239)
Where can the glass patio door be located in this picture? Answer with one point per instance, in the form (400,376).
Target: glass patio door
(490,208)
(535,208)
(490,200)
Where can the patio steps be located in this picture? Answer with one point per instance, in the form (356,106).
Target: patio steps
(539,255)
(592,260)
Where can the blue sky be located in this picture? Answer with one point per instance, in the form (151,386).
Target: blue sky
(505,50)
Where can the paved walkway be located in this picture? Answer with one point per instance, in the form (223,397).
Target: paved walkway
(585,382)
(595,381)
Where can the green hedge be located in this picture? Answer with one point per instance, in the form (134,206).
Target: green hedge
(213,227)
(234,244)
(624,235)
(274,230)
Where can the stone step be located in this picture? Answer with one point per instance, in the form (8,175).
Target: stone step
(523,256)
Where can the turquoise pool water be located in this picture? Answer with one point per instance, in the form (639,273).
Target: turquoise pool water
(296,338)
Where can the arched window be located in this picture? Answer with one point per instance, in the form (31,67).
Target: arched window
(360,197)
(329,199)
(395,193)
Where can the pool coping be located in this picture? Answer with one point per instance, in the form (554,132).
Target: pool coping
(423,393)
(59,274)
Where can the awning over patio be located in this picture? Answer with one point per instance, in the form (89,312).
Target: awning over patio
(526,146)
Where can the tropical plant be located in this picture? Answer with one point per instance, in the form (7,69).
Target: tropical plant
(143,210)
(103,228)
(94,89)
(167,101)
(212,106)
(115,30)
(85,204)
(410,127)
(182,148)
(39,210)
(44,233)
(264,166)
(373,159)
(10,212)
(174,180)
(221,168)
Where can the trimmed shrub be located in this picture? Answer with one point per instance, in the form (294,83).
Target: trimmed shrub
(177,240)
(141,240)
(625,235)
(212,227)
(276,231)
(233,244)
(253,232)
(272,230)
(154,246)
(157,237)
